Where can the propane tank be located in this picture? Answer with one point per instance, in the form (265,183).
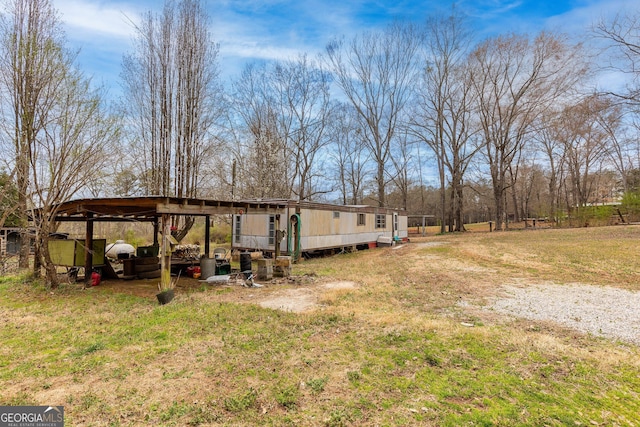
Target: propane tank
(119,250)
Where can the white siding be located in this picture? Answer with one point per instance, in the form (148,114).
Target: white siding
(320,229)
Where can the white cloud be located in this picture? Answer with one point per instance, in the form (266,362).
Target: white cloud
(244,38)
(109,19)
(580,19)
(251,50)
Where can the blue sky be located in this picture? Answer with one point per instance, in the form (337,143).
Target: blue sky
(280,29)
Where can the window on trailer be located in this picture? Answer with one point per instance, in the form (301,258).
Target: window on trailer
(237,229)
(336,214)
(272,229)
(381,221)
(362,219)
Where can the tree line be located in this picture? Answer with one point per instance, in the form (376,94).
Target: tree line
(425,117)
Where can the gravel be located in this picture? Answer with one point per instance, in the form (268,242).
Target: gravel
(601,311)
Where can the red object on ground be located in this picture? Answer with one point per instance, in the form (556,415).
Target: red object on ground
(191,271)
(95,278)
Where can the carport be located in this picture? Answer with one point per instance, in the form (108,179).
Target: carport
(157,210)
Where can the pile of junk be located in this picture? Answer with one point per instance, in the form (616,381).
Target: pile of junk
(143,262)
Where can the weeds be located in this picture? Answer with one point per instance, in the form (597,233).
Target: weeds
(353,376)
(91,348)
(241,402)
(287,396)
(317,384)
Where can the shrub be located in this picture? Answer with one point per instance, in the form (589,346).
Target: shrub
(630,204)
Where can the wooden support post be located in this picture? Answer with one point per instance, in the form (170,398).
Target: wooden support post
(155,232)
(207,235)
(88,250)
(165,252)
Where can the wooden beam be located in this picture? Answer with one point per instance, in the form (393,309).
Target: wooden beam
(207,235)
(105,219)
(88,251)
(156,228)
(165,253)
(175,209)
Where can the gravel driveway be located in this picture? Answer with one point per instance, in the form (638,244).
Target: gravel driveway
(601,311)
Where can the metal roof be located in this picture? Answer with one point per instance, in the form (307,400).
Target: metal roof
(149,208)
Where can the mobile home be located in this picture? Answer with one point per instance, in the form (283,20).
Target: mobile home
(299,227)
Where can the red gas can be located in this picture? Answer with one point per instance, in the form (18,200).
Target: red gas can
(95,278)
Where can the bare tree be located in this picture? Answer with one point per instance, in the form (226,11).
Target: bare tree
(402,161)
(517,80)
(586,143)
(58,126)
(172,93)
(261,152)
(284,110)
(302,96)
(348,155)
(623,37)
(67,153)
(198,96)
(30,69)
(528,186)
(376,72)
(548,136)
(623,144)
(443,115)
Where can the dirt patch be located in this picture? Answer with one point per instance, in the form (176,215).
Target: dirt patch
(295,300)
(294,294)
(303,299)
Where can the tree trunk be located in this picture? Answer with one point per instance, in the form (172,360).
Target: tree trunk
(514,197)
(25,238)
(50,269)
(499,201)
(380,181)
(457,203)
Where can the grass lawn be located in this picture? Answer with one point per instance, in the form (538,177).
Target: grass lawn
(395,349)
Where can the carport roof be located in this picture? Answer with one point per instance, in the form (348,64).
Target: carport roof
(149,208)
